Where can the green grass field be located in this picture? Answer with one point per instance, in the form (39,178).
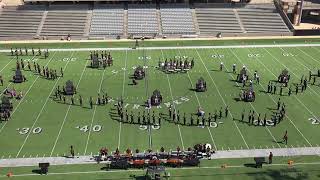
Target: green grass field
(61,124)
(236,168)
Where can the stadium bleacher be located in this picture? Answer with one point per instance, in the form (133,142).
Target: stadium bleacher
(215,20)
(20,21)
(115,20)
(142,19)
(259,19)
(107,20)
(176,19)
(62,20)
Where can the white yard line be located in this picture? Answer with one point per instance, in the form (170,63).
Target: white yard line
(315,49)
(6,65)
(174,107)
(275,102)
(180,47)
(93,115)
(20,101)
(39,114)
(174,110)
(6,87)
(66,115)
(301,65)
(298,78)
(122,94)
(308,55)
(245,142)
(214,144)
(254,108)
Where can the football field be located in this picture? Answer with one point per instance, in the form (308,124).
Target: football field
(44,126)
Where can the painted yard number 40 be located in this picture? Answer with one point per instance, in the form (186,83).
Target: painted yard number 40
(95,128)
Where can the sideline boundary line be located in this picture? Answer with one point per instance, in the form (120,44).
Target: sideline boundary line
(171,169)
(180,47)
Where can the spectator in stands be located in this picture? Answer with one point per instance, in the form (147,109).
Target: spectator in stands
(68,37)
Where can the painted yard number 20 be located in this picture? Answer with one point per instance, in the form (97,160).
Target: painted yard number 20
(314,121)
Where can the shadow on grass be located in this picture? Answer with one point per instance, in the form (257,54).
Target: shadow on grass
(36,171)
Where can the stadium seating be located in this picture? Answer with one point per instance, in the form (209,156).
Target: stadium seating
(176,19)
(261,19)
(111,20)
(142,20)
(62,20)
(250,18)
(107,20)
(215,20)
(20,21)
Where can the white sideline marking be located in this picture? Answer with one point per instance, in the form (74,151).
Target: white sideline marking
(65,117)
(179,47)
(174,107)
(39,114)
(222,99)
(122,94)
(139,170)
(20,101)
